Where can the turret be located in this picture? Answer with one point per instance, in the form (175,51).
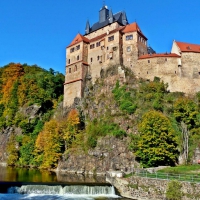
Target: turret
(110,18)
(124,19)
(87,28)
(103,14)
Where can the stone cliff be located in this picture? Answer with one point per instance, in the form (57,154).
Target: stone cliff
(110,152)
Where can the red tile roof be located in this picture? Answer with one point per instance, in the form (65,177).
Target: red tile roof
(103,35)
(79,38)
(159,55)
(132,28)
(186,47)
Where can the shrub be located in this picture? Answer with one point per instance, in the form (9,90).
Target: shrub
(174,190)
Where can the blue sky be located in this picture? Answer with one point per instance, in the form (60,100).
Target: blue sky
(38,31)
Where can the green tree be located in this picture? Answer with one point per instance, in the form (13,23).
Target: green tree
(174,191)
(12,150)
(156,144)
(186,110)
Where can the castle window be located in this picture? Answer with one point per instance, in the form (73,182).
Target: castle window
(92,46)
(75,68)
(107,48)
(97,57)
(69,61)
(129,37)
(149,61)
(98,44)
(78,47)
(165,59)
(128,49)
(91,59)
(70,70)
(114,48)
(78,57)
(111,38)
(71,50)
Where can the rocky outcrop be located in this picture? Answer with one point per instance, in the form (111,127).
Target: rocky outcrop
(110,153)
(30,112)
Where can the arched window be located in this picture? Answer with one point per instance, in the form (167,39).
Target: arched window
(75,68)
(69,61)
(78,57)
(70,70)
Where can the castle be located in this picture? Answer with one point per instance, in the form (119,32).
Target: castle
(113,41)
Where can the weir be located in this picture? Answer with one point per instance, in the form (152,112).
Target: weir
(58,189)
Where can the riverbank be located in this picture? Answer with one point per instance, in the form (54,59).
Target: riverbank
(142,188)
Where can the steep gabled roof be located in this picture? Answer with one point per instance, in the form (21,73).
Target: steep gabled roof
(159,55)
(187,47)
(119,17)
(79,38)
(132,28)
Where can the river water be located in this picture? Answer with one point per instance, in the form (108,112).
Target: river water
(32,184)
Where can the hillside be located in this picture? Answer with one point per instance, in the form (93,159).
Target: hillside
(149,125)
(28,96)
(122,122)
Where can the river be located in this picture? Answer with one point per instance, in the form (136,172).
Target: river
(32,184)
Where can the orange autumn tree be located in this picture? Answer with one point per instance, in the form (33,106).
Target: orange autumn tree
(69,127)
(48,147)
(10,75)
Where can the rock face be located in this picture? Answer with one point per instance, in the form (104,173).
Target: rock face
(110,153)
(30,112)
(4,136)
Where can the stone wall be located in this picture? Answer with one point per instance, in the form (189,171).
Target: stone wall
(151,189)
(190,65)
(110,153)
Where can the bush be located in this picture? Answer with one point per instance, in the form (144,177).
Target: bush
(174,191)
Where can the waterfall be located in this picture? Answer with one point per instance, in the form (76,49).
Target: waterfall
(59,190)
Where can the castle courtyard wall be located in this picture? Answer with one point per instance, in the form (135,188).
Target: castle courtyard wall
(157,66)
(190,62)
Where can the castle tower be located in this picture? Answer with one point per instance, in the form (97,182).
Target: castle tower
(134,44)
(76,69)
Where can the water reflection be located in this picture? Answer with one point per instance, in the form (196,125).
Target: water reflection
(11,174)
